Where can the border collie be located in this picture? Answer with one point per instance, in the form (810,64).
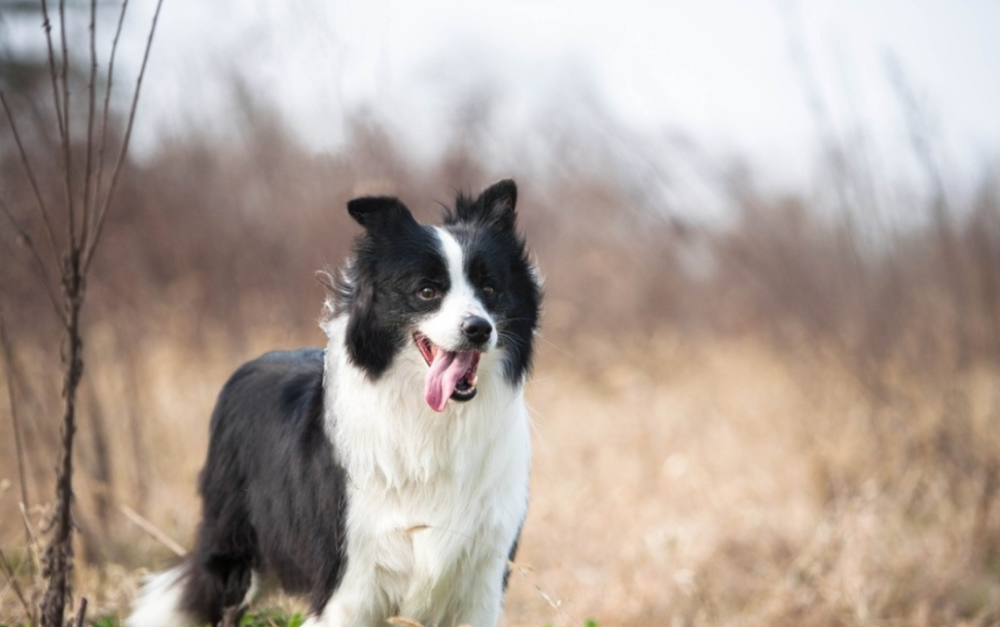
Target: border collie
(387,475)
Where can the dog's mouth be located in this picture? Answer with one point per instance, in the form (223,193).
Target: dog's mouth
(450,374)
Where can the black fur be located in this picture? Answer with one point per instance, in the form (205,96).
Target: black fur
(272,489)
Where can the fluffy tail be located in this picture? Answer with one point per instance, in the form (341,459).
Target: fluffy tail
(159,602)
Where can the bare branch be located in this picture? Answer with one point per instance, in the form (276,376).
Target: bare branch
(31,178)
(89,254)
(66,140)
(32,540)
(47,26)
(91,92)
(81,612)
(107,103)
(152,530)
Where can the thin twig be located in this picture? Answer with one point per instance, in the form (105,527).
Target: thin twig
(556,605)
(152,530)
(66,139)
(89,254)
(32,540)
(81,612)
(107,106)
(31,178)
(91,91)
(47,26)
(43,274)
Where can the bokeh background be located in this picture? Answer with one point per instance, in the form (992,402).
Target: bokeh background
(768,385)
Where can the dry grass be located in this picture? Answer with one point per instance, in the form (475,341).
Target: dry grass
(715,482)
(695,491)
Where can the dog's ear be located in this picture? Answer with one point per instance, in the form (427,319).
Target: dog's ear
(369,345)
(380,214)
(494,207)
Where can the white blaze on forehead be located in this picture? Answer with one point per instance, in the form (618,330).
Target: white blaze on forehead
(444,327)
(456,261)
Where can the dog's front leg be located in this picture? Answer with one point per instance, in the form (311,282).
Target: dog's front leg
(364,596)
(481,607)
(352,605)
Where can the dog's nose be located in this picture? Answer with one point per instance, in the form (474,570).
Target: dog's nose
(477,330)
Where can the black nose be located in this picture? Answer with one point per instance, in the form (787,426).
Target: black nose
(477,330)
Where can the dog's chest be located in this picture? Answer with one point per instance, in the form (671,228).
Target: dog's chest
(429,497)
(421,535)
(435,500)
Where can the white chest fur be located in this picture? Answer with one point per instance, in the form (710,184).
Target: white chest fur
(435,501)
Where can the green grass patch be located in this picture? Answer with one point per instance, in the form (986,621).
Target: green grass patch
(265,618)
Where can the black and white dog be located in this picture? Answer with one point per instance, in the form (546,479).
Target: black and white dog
(387,475)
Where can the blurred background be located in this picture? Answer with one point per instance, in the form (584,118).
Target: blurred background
(768,385)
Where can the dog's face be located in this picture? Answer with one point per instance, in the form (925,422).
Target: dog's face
(445,296)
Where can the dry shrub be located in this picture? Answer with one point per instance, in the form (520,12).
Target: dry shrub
(799,427)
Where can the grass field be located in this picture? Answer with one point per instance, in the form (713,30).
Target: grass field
(714,482)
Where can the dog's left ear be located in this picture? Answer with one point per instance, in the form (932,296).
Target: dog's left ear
(494,207)
(370,346)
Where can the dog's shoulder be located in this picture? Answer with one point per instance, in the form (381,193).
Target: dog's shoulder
(285,384)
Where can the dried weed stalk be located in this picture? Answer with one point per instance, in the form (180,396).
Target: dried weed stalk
(71,257)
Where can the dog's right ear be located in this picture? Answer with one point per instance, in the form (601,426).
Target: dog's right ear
(380,214)
(493,208)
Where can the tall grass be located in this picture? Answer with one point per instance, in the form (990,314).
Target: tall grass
(787,417)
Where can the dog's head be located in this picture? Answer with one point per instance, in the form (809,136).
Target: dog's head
(441,296)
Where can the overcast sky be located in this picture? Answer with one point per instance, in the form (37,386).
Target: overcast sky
(725,72)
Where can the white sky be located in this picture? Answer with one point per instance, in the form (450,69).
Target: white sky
(719,71)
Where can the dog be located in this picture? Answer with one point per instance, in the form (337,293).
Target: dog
(387,475)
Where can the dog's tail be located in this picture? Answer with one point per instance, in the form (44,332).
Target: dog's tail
(193,593)
(160,602)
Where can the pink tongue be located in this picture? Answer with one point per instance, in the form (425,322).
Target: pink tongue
(445,372)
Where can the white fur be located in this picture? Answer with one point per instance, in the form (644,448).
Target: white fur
(158,604)
(444,327)
(435,500)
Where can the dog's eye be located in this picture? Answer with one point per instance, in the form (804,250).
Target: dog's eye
(489,291)
(428,292)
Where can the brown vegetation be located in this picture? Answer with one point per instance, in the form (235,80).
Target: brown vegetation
(791,417)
